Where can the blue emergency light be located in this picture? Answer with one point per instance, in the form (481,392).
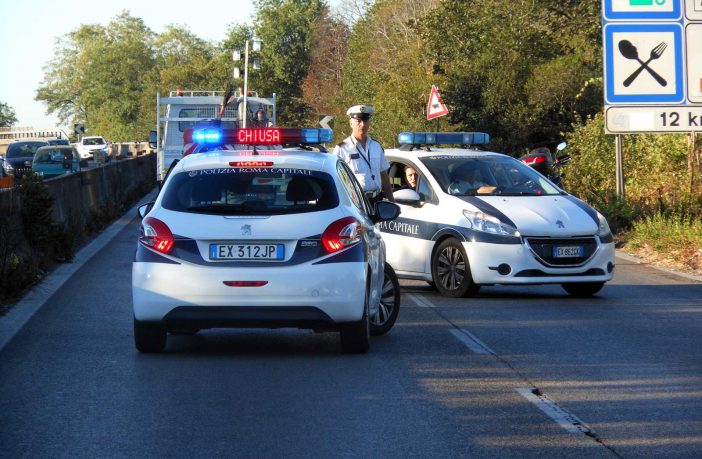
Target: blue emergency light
(443,138)
(210,136)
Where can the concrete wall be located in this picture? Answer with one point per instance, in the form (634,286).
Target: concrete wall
(77,195)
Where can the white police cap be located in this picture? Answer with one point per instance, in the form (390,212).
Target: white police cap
(360,112)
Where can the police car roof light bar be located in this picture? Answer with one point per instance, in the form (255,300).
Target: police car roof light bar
(443,138)
(258,136)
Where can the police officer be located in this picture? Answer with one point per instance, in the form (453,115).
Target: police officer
(365,156)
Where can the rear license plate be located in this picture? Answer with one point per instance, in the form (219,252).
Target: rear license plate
(568,251)
(247,251)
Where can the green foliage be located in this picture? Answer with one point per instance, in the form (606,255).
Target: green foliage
(676,239)
(285,28)
(657,178)
(97,78)
(511,68)
(7,115)
(387,68)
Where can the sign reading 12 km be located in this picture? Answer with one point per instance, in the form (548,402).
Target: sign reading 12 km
(644,63)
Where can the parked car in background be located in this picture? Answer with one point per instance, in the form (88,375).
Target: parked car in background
(58,142)
(53,161)
(19,155)
(90,145)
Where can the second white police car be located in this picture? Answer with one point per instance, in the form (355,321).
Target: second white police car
(478,218)
(262,237)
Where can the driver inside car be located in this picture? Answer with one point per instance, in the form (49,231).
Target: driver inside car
(465,179)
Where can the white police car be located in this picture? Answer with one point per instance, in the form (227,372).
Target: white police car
(262,237)
(481,218)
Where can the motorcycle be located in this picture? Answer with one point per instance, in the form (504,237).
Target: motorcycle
(541,160)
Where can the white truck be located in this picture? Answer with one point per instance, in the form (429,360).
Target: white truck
(183,109)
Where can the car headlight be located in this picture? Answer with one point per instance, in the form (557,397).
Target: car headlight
(603,229)
(480,221)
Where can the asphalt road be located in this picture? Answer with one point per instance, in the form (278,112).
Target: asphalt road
(516,372)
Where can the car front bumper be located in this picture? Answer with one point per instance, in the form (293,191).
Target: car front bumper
(517,264)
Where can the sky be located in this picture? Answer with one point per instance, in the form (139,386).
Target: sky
(30,28)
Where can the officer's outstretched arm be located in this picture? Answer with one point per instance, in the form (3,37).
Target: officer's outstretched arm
(387,188)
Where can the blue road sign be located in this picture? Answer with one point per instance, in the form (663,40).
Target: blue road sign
(642,10)
(644,63)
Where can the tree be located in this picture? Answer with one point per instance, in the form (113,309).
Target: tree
(98,77)
(7,115)
(388,69)
(518,69)
(285,28)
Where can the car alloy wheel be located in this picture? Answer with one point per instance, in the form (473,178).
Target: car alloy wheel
(451,271)
(389,307)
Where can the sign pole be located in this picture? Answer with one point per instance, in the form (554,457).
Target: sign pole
(619,166)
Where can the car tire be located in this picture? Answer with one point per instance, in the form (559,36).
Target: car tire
(149,337)
(451,271)
(389,307)
(582,289)
(355,336)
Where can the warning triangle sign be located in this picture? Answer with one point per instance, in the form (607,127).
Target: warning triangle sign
(435,107)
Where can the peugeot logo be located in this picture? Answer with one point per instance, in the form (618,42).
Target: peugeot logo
(246,230)
(560,224)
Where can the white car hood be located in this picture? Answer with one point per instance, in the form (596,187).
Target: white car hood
(552,216)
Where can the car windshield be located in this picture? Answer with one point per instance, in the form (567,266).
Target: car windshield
(487,175)
(24,149)
(246,191)
(98,141)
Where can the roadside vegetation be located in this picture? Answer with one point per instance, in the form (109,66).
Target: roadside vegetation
(528,73)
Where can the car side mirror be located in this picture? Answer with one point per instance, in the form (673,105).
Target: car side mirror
(407,196)
(152,139)
(384,211)
(143,210)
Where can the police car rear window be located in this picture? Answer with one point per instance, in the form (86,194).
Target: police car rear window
(246,191)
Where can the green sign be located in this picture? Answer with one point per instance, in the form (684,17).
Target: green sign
(645,2)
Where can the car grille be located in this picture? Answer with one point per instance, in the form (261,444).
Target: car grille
(543,250)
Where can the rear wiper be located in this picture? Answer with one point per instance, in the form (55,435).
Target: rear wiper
(220,209)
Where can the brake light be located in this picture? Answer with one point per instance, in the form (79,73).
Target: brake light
(156,234)
(245,283)
(251,163)
(340,234)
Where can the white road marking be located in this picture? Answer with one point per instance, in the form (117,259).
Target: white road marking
(471,342)
(565,419)
(421,302)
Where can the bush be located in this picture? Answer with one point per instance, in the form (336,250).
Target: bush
(657,178)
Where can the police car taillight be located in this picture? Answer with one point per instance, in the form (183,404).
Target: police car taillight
(156,234)
(342,233)
(443,138)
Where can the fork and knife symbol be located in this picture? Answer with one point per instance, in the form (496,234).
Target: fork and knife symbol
(629,51)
